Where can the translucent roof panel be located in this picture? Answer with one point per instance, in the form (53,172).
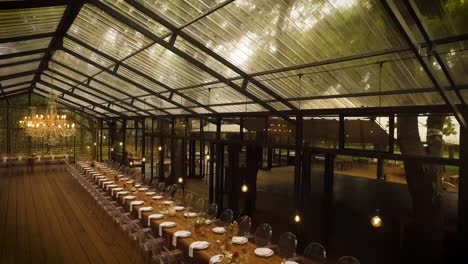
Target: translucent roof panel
(55,82)
(180,12)
(158,102)
(167,67)
(219,95)
(24,45)
(4,71)
(18,87)
(101,87)
(443,18)
(119,84)
(259,35)
(98,29)
(21,58)
(139,79)
(88,96)
(177,99)
(136,16)
(239,108)
(75,63)
(69,44)
(455,59)
(58,77)
(13,81)
(72,74)
(21,22)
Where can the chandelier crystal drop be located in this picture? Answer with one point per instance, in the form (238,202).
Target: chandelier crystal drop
(49,126)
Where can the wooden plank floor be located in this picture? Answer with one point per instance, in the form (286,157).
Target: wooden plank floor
(46,217)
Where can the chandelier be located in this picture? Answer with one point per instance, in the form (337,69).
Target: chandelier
(279,128)
(49,126)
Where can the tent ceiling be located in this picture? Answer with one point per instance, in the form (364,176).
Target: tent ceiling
(161,57)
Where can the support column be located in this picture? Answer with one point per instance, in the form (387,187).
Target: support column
(162,154)
(143,147)
(152,150)
(380,169)
(124,131)
(463,187)
(101,125)
(328,197)
(298,159)
(8,139)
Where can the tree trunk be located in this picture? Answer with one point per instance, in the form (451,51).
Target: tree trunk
(424,184)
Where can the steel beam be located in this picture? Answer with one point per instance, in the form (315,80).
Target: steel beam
(102,93)
(28,37)
(8,5)
(17,75)
(392,11)
(121,63)
(185,56)
(87,84)
(410,5)
(210,52)
(108,109)
(23,53)
(71,12)
(19,62)
(127,80)
(4,94)
(70,104)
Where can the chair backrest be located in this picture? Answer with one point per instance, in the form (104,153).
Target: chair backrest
(178,196)
(245,223)
(160,186)
(168,192)
(263,235)
(347,260)
(287,245)
(189,200)
(212,212)
(226,217)
(315,252)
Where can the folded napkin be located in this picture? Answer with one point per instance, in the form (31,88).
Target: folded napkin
(142,189)
(165,224)
(154,216)
(157,197)
(114,190)
(144,209)
(110,186)
(132,203)
(180,233)
(216,259)
(121,193)
(197,245)
(128,197)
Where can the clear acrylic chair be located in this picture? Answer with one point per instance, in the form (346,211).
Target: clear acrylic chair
(315,252)
(347,260)
(168,192)
(199,206)
(160,187)
(263,235)
(178,197)
(189,201)
(226,217)
(244,226)
(212,212)
(287,245)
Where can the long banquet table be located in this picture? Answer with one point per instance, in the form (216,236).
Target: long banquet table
(182,222)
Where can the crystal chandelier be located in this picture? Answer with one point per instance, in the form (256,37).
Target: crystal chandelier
(50,126)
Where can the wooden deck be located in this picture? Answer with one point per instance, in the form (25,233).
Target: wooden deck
(45,217)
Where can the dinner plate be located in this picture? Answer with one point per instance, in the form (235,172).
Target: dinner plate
(183,233)
(142,189)
(289,262)
(239,240)
(219,230)
(157,197)
(200,245)
(150,193)
(190,214)
(167,202)
(179,208)
(168,224)
(264,252)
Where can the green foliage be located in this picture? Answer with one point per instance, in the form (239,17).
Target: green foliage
(449,127)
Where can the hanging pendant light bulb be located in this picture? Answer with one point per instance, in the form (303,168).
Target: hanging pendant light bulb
(143,159)
(297,217)
(244,188)
(376,220)
(180,180)
(159,148)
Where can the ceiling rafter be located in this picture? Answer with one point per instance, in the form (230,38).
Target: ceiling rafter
(396,18)
(140,7)
(101,92)
(121,63)
(94,95)
(27,37)
(127,80)
(20,62)
(12,93)
(69,15)
(412,11)
(8,5)
(186,57)
(23,53)
(4,94)
(15,84)
(108,109)
(70,104)
(87,84)
(16,75)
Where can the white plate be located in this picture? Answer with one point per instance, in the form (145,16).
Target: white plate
(216,259)
(167,202)
(183,233)
(137,185)
(168,224)
(179,208)
(239,240)
(200,245)
(157,197)
(142,189)
(289,262)
(156,216)
(190,214)
(264,252)
(219,230)
(150,193)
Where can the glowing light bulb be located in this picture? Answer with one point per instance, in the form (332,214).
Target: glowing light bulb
(297,218)
(245,188)
(207,157)
(73,125)
(143,159)
(112,149)
(159,148)
(87,147)
(131,163)
(121,143)
(94,143)
(376,221)
(180,180)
